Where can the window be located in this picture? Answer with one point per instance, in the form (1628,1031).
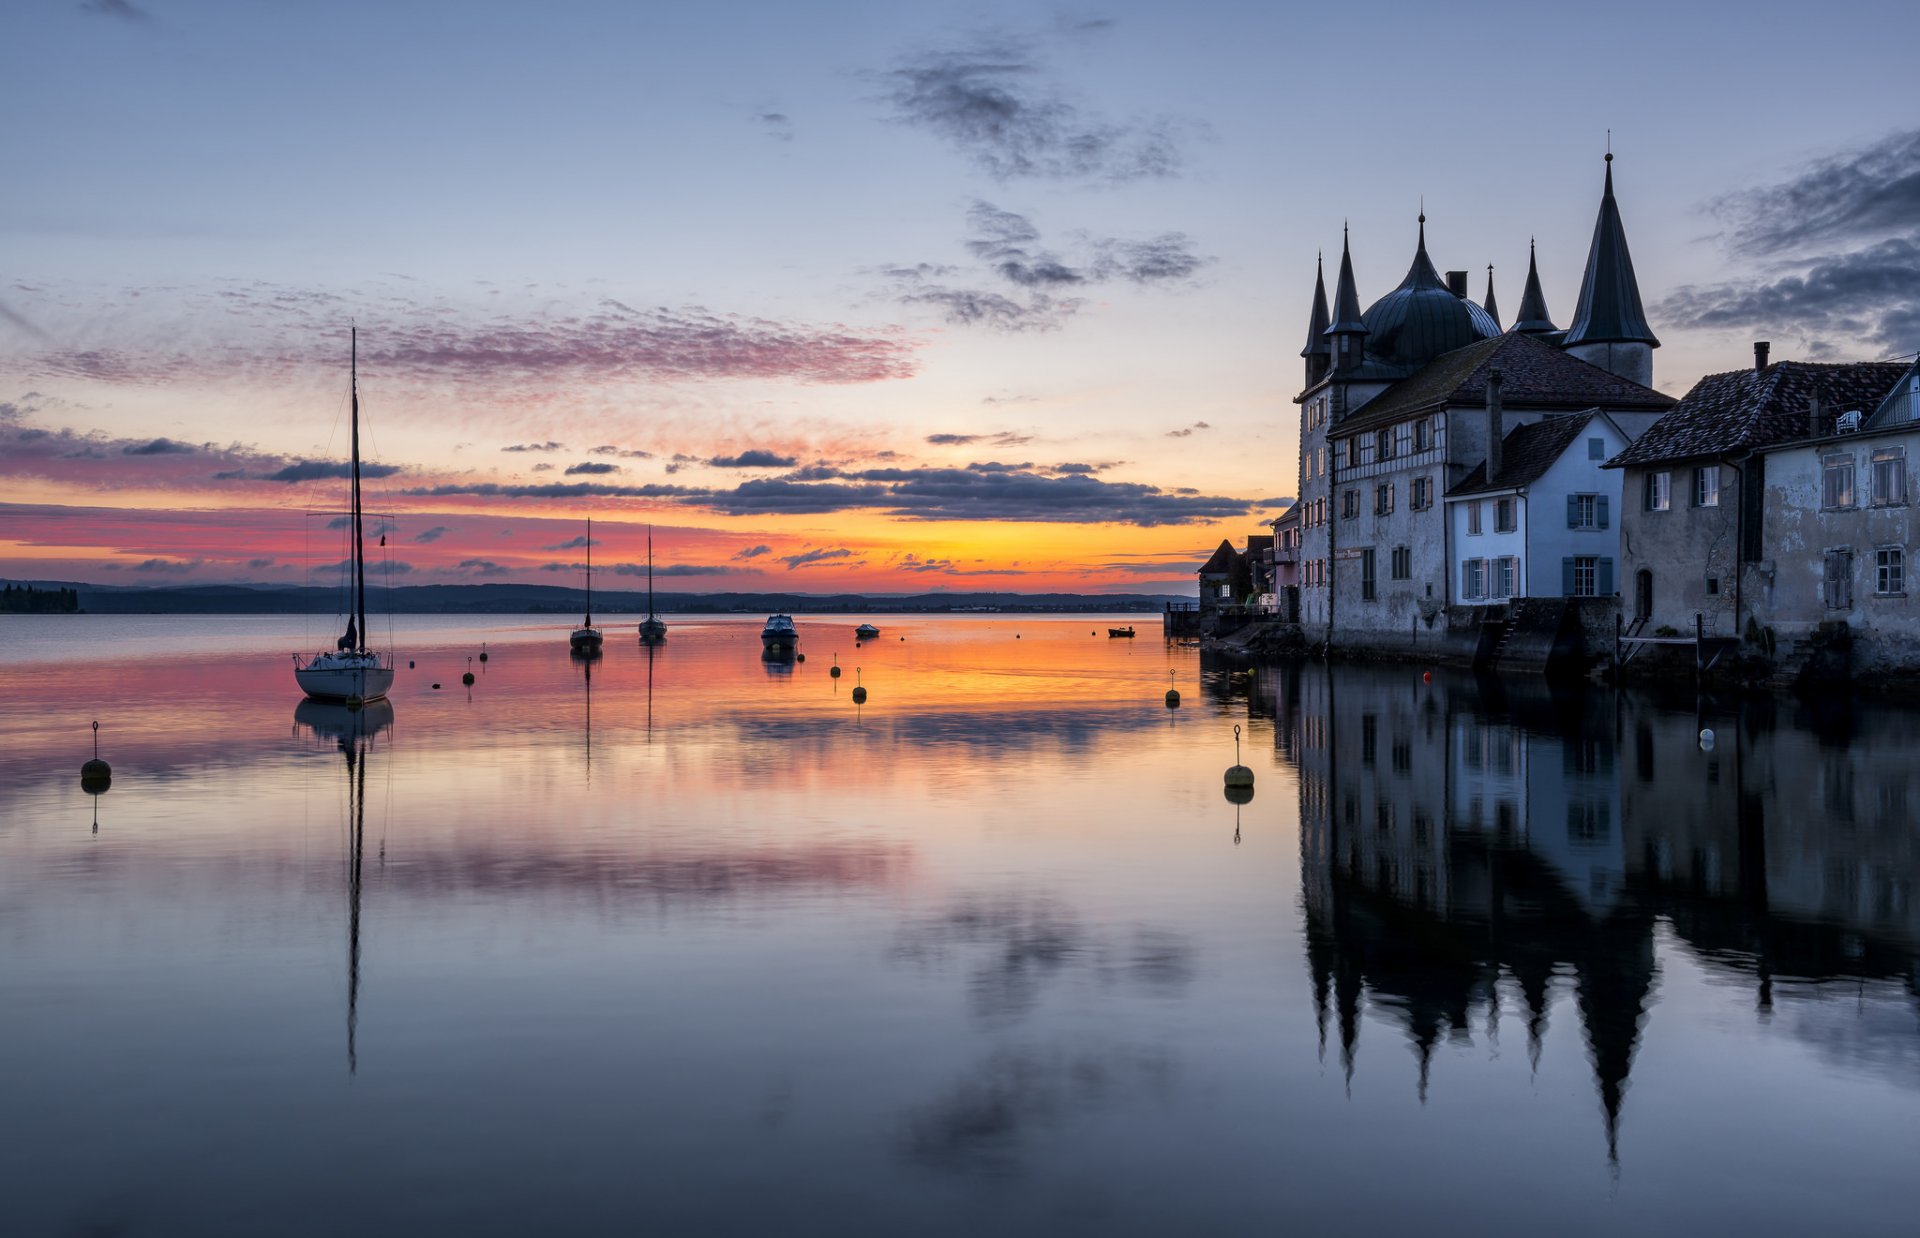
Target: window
(1367,592)
(1838,582)
(1504,518)
(1586,576)
(1889,571)
(1713,585)
(1836,481)
(1889,476)
(1706,486)
(1473,579)
(1506,577)
(1586,511)
(1473,517)
(1402,562)
(1383,499)
(1420,493)
(1349,504)
(1659,491)
(1596,449)
(1383,445)
(1339,453)
(1362,451)
(1422,434)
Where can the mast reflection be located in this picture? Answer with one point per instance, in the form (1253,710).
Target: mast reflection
(352,730)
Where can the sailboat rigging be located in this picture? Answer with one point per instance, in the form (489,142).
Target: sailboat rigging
(586,638)
(652,629)
(350,672)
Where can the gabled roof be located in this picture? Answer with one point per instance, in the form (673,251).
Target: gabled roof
(1317,344)
(1222,560)
(1609,310)
(1534,375)
(1526,453)
(1290,516)
(1745,410)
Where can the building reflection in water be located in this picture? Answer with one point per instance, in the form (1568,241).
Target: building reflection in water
(1466,838)
(352,731)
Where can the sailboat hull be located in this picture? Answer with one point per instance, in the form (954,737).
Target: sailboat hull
(342,684)
(585,640)
(652,631)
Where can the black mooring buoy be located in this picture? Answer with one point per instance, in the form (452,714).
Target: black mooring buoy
(1173,694)
(483,651)
(467,678)
(859,693)
(96,775)
(835,671)
(1239,777)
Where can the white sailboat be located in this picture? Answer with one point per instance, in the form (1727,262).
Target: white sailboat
(586,638)
(350,672)
(653,629)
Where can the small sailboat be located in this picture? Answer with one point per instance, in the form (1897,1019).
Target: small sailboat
(653,630)
(779,637)
(586,638)
(350,673)
(866,631)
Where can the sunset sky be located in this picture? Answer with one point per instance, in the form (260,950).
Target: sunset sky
(853,295)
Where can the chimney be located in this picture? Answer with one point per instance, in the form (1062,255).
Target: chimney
(1760,355)
(1496,427)
(1815,428)
(1457,283)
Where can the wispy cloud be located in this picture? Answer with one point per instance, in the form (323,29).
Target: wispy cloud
(808,558)
(990,101)
(428,536)
(575,543)
(625,453)
(546,446)
(776,125)
(313,470)
(754,552)
(121,9)
(1187,431)
(158,447)
(484,567)
(591,468)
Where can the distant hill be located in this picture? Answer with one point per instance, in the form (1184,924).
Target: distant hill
(509,599)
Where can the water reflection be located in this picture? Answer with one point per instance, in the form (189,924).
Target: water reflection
(1463,840)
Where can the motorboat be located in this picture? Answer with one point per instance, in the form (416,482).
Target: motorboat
(586,638)
(350,673)
(1126,631)
(866,631)
(780,636)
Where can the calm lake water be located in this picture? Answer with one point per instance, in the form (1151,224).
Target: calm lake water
(692,943)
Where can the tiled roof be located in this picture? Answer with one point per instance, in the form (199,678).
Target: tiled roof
(1744,410)
(1222,560)
(1534,375)
(1526,452)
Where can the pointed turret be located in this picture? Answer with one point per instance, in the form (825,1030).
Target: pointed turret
(1534,319)
(1346,333)
(1492,306)
(1319,350)
(1609,327)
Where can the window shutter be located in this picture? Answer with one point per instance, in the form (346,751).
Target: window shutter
(1573,511)
(1600,509)
(1566,577)
(1603,576)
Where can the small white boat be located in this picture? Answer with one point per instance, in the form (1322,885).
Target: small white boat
(866,631)
(350,673)
(586,638)
(780,635)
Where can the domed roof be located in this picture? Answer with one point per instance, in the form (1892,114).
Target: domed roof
(1422,318)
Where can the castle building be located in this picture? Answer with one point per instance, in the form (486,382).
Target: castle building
(1402,401)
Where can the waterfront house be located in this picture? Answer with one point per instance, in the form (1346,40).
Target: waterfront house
(1837,530)
(1537,518)
(1400,405)
(1692,536)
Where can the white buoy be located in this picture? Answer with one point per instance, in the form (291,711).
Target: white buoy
(1706,739)
(1238,775)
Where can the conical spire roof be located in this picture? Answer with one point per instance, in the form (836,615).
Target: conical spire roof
(1346,298)
(1422,273)
(1534,319)
(1609,309)
(1492,306)
(1317,344)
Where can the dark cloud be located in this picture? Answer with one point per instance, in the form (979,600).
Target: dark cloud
(1166,257)
(314,470)
(753,459)
(914,563)
(968,307)
(158,447)
(1076,467)
(547,446)
(1842,237)
(989,102)
(591,468)
(389,568)
(640,569)
(575,543)
(1187,431)
(549,490)
(258,564)
(483,567)
(754,552)
(434,534)
(542,467)
(776,125)
(171,567)
(808,558)
(952,440)
(633,453)
(121,9)
(1009,244)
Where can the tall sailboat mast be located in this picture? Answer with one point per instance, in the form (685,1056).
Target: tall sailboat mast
(649,571)
(359,546)
(589,619)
